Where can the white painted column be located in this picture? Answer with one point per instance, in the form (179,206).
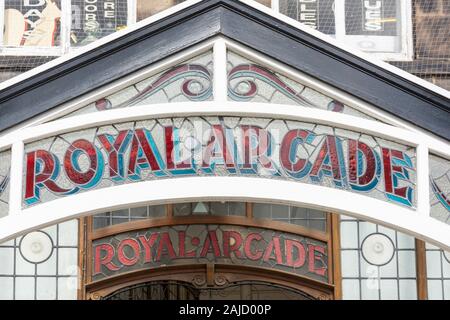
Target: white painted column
(276,5)
(423,180)
(15,188)
(220,71)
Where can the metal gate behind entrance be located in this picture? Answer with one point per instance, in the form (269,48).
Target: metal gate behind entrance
(178,290)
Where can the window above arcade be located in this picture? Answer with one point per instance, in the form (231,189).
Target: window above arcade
(54,27)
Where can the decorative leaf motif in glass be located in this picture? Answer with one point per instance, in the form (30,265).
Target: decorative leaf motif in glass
(252,82)
(191,80)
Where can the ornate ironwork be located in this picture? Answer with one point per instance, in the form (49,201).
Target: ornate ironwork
(178,290)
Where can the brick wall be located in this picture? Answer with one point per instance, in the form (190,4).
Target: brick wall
(432,41)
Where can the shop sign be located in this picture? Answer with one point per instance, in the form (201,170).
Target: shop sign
(219,146)
(94,19)
(199,244)
(32,23)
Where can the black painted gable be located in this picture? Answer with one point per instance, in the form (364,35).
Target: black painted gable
(244,24)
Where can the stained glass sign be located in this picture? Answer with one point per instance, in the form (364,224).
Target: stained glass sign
(195,244)
(218,146)
(440,188)
(5,165)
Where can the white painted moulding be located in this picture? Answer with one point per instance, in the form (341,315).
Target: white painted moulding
(227,188)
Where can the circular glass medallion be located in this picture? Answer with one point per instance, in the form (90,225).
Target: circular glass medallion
(195,86)
(243,87)
(377,249)
(36,247)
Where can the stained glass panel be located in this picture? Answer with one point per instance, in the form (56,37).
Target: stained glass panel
(378,263)
(219,146)
(438,273)
(226,244)
(440,188)
(252,82)
(5,165)
(191,80)
(46,274)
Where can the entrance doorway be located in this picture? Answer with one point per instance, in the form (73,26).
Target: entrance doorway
(178,290)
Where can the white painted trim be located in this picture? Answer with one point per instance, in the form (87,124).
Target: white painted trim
(124,82)
(360,54)
(436,144)
(220,71)
(423,179)
(2,19)
(16,186)
(339,18)
(132,12)
(264,110)
(269,11)
(275,5)
(407,30)
(226,188)
(66,25)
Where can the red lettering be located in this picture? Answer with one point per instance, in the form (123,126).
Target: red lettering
(72,168)
(330,168)
(232,241)
(42,170)
(116,149)
(353,148)
(313,257)
(288,153)
(148,245)
(122,257)
(248,247)
(273,247)
(166,243)
(290,245)
(106,260)
(211,242)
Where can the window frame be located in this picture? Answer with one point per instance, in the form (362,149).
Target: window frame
(406,37)
(66,27)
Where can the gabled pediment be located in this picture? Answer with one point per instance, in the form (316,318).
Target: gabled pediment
(275,39)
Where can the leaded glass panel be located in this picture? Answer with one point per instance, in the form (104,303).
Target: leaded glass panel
(5,166)
(209,208)
(440,188)
(378,263)
(251,82)
(438,273)
(305,217)
(219,146)
(41,265)
(107,219)
(191,80)
(199,244)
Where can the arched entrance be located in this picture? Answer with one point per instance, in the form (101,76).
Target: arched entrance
(177,290)
(210,250)
(209,282)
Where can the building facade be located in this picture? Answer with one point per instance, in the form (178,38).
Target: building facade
(221,150)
